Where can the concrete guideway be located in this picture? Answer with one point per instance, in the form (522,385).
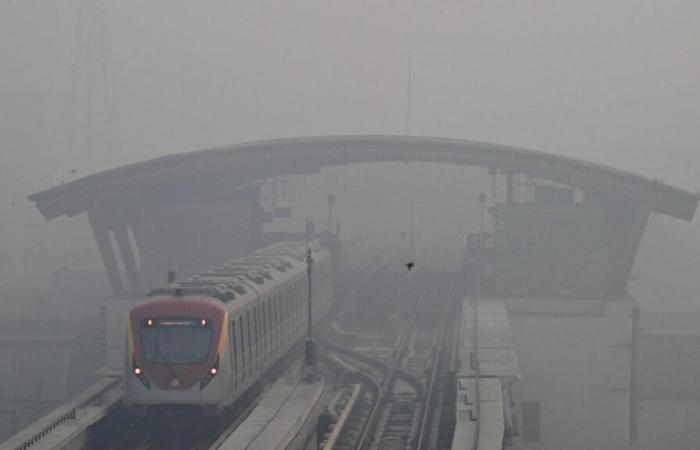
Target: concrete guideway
(487,433)
(67,426)
(284,418)
(489,367)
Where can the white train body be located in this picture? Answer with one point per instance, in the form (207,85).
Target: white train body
(199,344)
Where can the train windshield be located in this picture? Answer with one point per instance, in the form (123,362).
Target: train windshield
(175,341)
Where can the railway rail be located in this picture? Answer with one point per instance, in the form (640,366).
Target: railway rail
(430,412)
(405,409)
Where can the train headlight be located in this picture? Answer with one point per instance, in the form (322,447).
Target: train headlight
(140,375)
(210,375)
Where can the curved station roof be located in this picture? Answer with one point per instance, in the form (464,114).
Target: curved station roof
(242,163)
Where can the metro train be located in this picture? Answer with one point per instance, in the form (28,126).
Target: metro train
(194,347)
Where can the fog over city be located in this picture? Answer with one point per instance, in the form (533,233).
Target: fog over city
(610,83)
(91,85)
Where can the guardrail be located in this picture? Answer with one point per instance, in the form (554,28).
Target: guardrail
(73,418)
(329,443)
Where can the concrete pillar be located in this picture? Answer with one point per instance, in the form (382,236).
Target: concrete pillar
(626,225)
(144,227)
(122,235)
(104,244)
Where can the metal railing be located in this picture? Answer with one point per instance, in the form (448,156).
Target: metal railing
(340,423)
(104,393)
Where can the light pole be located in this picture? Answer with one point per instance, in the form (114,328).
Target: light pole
(310,346)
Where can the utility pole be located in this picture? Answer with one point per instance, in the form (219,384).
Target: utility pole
(408,95)
(310,346)
(412,235)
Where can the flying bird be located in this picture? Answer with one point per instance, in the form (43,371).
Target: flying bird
(409,265)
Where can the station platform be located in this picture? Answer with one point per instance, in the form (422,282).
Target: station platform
(488,367)
(285,418)
(67,427)
(490,426)
(494,342)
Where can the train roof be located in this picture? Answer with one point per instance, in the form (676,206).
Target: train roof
(237,277)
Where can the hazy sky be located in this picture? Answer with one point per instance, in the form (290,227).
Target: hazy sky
(591,78)
(610,81)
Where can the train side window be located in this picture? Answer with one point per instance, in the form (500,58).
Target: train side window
(241,333)
(296,305)
(265,327)
(297,297)
(300,300)
(255,337)
(250,342)
(286,310)
(302,306)
(275,330)
(292,294)
(270,325)
(261,333)
(234,354)
(282,317)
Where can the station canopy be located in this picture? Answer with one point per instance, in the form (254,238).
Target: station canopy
(239,164)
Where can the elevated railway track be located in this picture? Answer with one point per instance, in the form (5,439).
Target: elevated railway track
(394,402)
(96,419)
(403,410)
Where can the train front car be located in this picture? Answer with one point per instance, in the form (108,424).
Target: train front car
(174,367)
(197,345)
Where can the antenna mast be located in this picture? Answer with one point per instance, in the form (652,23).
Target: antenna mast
(408,95)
